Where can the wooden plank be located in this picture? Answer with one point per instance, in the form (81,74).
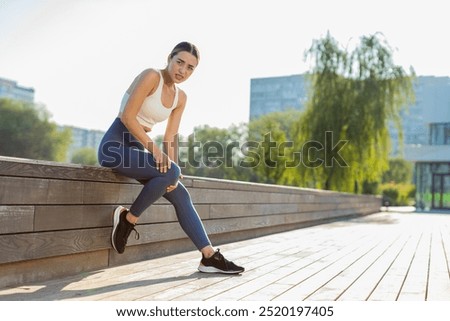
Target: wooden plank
(438,288)
(33,191)
(165,212)
(248,223)
(20,247)
(415,285)
(17,167)
(362,285)
(53,268)
(238,210)
(16,219)
(237,289)
(37,191)
(244,197)
(445,234)
(317,249)
(388,289)
(317,196)
(17,191)
(316,275)
(211,183)
(20,167)
(63,217)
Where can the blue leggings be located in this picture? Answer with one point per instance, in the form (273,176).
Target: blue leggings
(123,152)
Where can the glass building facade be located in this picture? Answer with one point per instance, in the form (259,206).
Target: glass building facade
(433,185)
(432,169)
(277,94)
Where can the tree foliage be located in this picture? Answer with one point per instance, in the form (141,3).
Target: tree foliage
(353,97)
(399,171)
(85,156)
(260,151)
(214,152)
(272,136)
(26,131)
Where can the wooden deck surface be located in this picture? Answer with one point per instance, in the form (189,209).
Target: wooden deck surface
(387,256)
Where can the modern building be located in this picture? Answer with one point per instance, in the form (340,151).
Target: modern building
(432,106)
(432,168)
(82,138)
(10,89)
(277,94)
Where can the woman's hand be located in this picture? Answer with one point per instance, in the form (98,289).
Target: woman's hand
(163,161)
(170,188)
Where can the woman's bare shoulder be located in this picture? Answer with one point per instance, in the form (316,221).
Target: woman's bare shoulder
(182,97)
(149,73)
(148,78)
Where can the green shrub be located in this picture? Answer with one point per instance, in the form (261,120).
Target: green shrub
(390,196)
(398,194)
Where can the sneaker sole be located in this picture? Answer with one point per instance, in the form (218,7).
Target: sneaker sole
(212,269)
(116,218)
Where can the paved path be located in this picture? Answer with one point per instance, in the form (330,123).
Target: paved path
(385,256)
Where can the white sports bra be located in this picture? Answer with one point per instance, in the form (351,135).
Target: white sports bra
(152,109)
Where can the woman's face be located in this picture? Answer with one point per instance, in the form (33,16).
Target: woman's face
(181,66)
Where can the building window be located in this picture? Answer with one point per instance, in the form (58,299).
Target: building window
(440,134)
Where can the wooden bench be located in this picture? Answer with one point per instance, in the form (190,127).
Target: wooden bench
(55,218)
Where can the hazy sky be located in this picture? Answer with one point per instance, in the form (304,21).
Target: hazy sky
(80,55)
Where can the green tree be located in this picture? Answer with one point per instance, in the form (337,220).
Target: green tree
(26,131)
(396,186)
(85,156)
(353,97)
(214,152)
(273,152)
(400,171)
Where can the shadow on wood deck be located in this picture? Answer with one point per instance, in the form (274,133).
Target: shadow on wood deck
(388,256)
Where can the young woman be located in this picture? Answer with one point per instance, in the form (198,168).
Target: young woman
(151,98)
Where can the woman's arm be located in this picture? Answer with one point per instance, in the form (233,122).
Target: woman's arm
(145,85)
(170,142)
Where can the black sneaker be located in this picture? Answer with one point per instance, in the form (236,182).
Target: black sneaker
(121,229)
(218,264)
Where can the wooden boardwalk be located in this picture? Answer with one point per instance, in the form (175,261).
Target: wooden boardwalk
(387,256)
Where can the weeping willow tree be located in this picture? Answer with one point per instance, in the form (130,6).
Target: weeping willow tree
(353,97)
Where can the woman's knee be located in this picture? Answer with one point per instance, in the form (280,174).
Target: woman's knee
(173,174)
